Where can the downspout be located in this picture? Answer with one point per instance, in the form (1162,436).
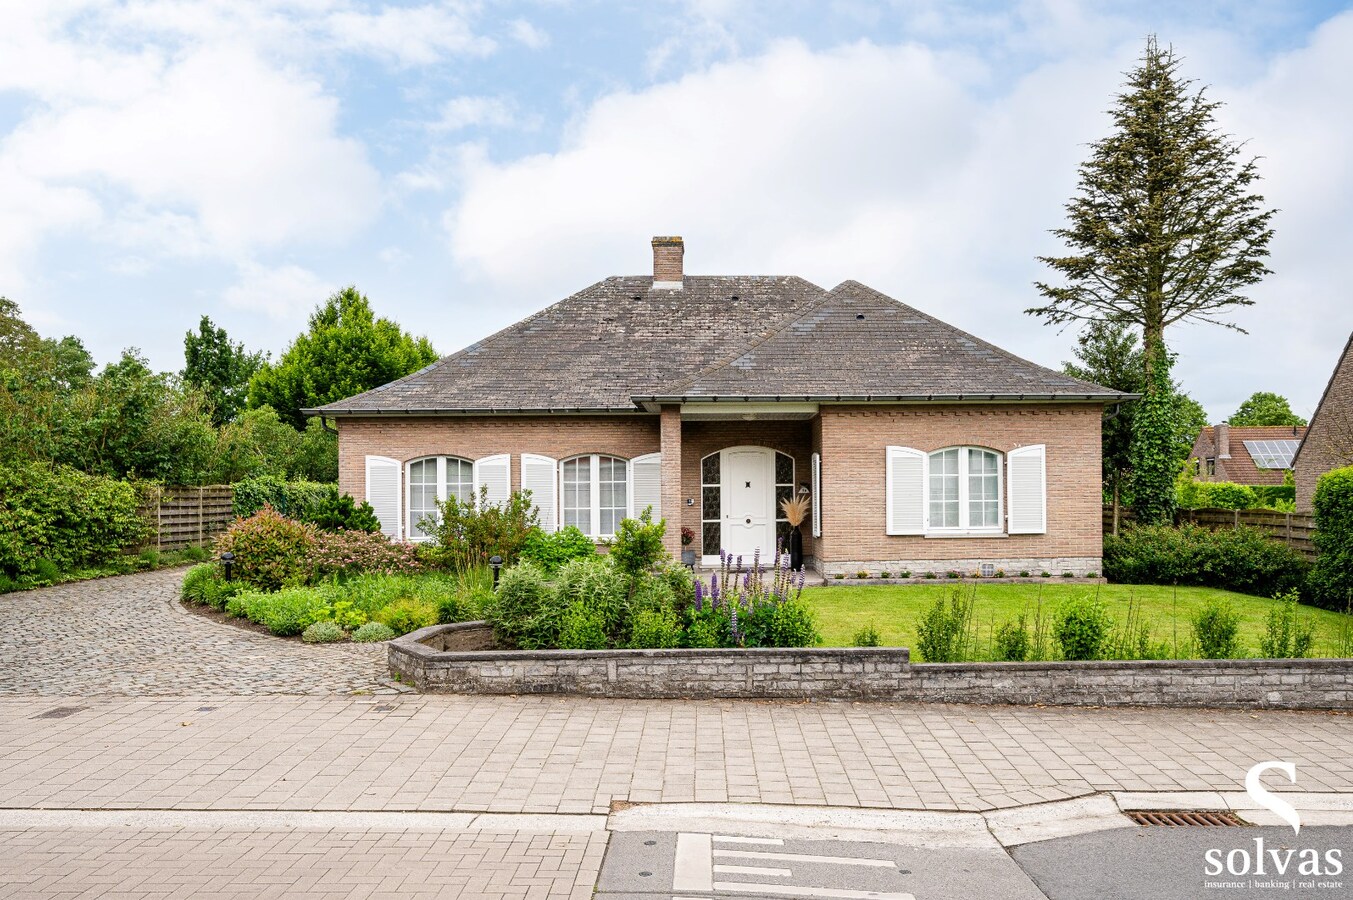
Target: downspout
(324,423)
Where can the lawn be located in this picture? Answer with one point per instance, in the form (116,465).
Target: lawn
(894,610)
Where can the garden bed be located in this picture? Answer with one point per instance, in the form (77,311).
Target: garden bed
(852,580)
(435,660)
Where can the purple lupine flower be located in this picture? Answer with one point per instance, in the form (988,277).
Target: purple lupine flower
(714,588)
(733,622)
(801,576)
(723,556)
(746,580)
(739,565)
(756,560)
(699,596)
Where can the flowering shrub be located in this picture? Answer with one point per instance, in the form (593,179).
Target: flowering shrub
(752,608)
(343,554)
(270,550)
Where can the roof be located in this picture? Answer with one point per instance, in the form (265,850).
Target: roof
(620,343)
(1344,365)
(1243,440)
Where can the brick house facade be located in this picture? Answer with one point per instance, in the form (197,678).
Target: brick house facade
(922,448)
(1328,443)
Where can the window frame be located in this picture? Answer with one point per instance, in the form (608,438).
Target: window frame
(964,527)
(440,489)
(593,483)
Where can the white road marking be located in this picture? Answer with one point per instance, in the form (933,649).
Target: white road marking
(753,870)
(787,890)
(730,839)
(803,857)
(692,870)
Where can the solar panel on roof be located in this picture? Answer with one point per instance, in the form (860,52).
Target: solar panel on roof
(1272,454)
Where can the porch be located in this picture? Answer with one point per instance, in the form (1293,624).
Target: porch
(725,470)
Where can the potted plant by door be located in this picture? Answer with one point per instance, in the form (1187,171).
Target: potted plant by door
(687,556)
(796,510)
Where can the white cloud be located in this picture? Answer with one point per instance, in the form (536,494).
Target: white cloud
(909,170)
(465,112)
(416,36)
(284,293)
(528,35)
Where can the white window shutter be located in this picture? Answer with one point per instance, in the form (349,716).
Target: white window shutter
(646,485)
(816,499)
(383,493)
(495,472)
(906,469)
(539,476)
(1027,475)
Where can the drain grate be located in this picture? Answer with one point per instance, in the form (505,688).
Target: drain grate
(1182,817)
(60,712)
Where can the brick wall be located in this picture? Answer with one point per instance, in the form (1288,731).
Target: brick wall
(436,659)
(474,437)
(853,476)
(1329,439)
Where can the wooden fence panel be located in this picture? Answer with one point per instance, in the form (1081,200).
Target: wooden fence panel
(1294,529)
(188,516)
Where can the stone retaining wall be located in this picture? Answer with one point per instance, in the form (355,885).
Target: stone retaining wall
(440,659)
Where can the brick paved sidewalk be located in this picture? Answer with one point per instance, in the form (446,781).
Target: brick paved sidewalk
(574,755)
(128,635)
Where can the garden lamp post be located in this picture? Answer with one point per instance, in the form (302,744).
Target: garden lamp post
(495,563)
(227,560)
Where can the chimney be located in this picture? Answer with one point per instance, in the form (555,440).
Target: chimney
(667,267)
(1223,441)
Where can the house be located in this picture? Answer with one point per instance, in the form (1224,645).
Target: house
(1328,443)
(1251,454)
(712,398)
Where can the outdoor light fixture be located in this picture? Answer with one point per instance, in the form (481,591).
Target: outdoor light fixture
(495,563)
(803,488)
(228,560)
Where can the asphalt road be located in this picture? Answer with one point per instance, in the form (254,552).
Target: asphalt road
(1139,862)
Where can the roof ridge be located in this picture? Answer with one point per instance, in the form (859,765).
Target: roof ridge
(738,354)
(852,283)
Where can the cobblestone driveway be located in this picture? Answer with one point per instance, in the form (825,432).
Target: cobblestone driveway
(128,635)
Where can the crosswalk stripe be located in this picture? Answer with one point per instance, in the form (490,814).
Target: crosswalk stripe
(808,858)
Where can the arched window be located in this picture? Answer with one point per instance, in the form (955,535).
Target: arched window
(594,493)
(964,489)
(432,480)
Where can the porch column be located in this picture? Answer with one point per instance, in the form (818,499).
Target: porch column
(673,508)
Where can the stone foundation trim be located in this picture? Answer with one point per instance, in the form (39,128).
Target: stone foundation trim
(1079,566)
(441,659)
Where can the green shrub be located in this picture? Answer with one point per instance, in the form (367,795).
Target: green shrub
(1082,627)
(1215,495)
(523,593)
(469,532)
(943,630)
(322,633)
(407,614)
(1216,628)
(284,612)
(61,515)
(655,629)
(581,628)
(598,584)
(1286,636)
(1331,579)
(792,625)
(270,550)
(550,551)
(372,632)
(706,632)
(293,499)
(868,636)
(340,512)
(1012,641)
(1238,559)
(196,582)
(637,546)
(8,584)
(44,572)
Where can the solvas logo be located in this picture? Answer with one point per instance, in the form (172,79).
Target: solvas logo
(1274,861)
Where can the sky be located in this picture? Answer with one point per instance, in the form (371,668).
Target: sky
(465,164)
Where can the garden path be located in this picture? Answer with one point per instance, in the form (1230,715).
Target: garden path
(129,635)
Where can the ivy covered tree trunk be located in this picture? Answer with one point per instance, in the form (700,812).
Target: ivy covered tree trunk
(1153,458)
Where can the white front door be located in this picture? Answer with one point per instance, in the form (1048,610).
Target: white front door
(748,487)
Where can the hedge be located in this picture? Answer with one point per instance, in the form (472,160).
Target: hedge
(293,499)
(1238,559)
(1331,581)
(56,518)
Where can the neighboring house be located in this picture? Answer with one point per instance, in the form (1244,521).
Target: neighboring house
(1251,454)
(1329,438)
(711,399)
